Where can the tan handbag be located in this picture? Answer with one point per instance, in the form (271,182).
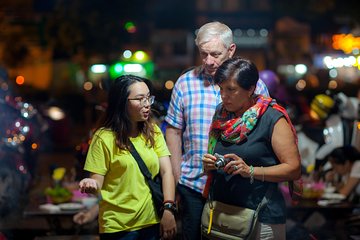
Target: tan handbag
(224,221)
(227,221)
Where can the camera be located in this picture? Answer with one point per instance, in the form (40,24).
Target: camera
(221,161)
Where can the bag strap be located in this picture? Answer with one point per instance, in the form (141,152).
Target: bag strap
(144,170)
(265,199)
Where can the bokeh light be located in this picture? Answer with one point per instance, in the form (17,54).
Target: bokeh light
(130,27)
(169,84)
(20,80)
(333,84)
(127,54)
(300,85)
(88,86)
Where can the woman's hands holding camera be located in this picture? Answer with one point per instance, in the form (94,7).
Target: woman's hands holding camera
(208,162)
(235,166)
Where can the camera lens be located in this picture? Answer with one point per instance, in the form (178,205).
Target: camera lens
(221,161)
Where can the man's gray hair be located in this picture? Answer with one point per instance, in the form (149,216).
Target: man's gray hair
(213,30)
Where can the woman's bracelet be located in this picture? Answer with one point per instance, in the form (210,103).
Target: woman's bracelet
(263,173)
(251,174)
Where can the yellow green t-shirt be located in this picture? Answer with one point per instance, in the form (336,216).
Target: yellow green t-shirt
(126,203)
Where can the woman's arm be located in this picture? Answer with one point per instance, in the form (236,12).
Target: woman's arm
(349,186)
(284,146)
(167,176)
(167,223)
(91,185)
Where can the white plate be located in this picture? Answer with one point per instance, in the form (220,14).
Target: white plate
(326,202)
(334,196)
(49,207)
(330,189)
(71,206)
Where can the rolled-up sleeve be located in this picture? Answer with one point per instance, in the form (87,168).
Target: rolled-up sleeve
(175,111)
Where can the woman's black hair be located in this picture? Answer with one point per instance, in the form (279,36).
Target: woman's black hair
(342,154)
(242,70)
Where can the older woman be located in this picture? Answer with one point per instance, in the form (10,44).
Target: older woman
(257,136)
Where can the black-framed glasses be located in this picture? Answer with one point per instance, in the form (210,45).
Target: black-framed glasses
(144,100)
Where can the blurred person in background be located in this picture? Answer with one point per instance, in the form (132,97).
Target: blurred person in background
(257,135)
(192,106)
(345,172)
(126,208)
(87,216)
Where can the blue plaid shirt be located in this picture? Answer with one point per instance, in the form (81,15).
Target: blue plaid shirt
(192,106)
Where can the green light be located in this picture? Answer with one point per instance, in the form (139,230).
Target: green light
(130,27)
(144,69)
(118,67)
(116,70)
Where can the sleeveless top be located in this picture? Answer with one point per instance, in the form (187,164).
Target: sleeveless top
(257,151)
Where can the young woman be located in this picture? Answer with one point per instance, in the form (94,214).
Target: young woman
(126,208)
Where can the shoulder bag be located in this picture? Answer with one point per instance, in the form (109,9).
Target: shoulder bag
(224,221)
(154,184)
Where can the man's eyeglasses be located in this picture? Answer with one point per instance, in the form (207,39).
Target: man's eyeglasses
(144,100)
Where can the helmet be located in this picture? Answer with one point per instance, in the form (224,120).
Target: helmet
(270,79)
(321,106)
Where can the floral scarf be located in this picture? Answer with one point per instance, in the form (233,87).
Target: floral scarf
(236,129)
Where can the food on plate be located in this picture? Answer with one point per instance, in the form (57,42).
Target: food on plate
(58,194)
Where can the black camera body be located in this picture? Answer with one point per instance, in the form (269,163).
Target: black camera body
(221,161)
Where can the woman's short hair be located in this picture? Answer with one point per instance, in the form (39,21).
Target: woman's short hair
(242,70)
(213,30)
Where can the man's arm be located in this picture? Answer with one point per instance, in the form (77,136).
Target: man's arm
(174,143)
